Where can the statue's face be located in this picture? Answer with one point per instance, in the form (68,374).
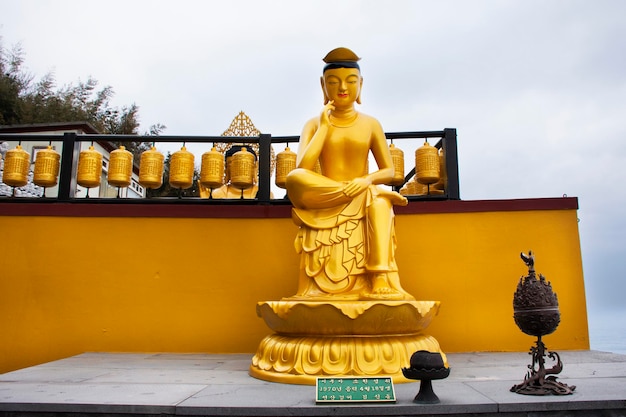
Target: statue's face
(342,85)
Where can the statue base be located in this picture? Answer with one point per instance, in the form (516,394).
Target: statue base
(341,338)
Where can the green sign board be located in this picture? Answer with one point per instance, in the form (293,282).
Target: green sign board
(351,389)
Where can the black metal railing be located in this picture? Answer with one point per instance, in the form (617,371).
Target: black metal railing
(71,145)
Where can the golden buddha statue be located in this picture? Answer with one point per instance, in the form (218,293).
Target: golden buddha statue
(350,316)
(346,237)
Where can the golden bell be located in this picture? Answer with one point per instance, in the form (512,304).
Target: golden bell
(242,169)
(285,163)
(397,157)
(16,167)
(181,169)
(89,168)
(151,168)
(47,167)
(427,164)
(212,169)
(120,167)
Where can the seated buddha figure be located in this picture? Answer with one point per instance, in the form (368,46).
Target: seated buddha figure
(346,236)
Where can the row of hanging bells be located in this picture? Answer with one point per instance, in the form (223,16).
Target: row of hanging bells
(428,162)
(241,166)
(17,167)
(48,161)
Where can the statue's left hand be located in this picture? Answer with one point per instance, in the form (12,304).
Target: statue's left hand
(356,187)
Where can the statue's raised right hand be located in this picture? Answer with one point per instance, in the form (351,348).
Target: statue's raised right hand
(325,116)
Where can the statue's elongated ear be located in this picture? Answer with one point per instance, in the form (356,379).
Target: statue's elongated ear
(358,99)
(326,99)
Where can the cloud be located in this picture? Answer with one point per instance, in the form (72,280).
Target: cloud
(535,89)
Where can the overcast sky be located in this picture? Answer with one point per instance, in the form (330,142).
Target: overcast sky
(536,89)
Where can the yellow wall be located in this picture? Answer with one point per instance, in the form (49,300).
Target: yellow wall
(471,263)
(75,284)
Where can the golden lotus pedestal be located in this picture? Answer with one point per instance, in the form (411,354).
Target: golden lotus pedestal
(341,338)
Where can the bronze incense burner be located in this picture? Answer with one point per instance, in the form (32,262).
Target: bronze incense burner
(536,313)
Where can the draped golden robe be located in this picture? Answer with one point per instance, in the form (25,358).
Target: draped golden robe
(335,239)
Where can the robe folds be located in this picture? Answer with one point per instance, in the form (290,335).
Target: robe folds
(334,234)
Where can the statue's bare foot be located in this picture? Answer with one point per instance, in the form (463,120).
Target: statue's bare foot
(381,289)
(394,198)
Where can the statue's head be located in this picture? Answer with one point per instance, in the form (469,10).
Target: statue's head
(341,58)
(341,79)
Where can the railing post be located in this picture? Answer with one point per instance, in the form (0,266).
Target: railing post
(452,163)
(69,161)
(265,144)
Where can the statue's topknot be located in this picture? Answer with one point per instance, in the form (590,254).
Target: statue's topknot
(341,58)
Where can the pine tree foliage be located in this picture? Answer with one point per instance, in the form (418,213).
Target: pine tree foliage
(23,100)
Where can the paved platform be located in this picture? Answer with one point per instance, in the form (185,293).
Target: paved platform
(219,385)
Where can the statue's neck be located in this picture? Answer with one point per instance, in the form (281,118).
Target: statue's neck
(343,117)
(345,113)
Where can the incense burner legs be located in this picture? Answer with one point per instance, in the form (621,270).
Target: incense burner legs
(539,380)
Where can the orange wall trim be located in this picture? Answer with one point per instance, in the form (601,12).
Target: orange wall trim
(186,277)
